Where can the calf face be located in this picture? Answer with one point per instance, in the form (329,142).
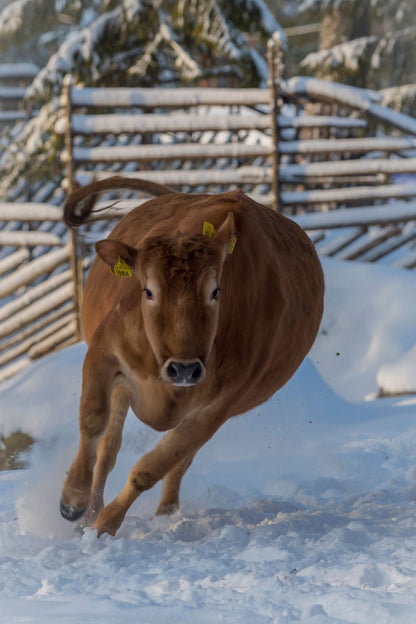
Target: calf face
(179,279)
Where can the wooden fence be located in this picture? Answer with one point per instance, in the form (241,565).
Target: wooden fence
(36,292)
(329,156)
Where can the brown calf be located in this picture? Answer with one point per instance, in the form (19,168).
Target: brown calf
(197,308)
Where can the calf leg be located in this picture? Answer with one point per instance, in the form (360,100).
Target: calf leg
(171,483)
(97,385)
(107,451)
(175,448)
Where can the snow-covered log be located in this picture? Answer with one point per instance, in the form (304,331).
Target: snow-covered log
(13,260)
(36,310)
(12,93)
(362,216)
(9,309)
(53,333)
(38,325)
(337,244)
(174,98)
(327,91)
(14,368)
(348,146)
(349,194)
(361,99)
(33,270)
(30,335)
(11,116)
(321,121)
(178,122)
(18,71)
(373,238)
(406,236)
(300,172)
(185,151)
(23,238)
(58,337)
(184,177)
(29,211)
(387,115)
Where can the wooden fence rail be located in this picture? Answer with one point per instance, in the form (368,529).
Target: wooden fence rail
(14,78)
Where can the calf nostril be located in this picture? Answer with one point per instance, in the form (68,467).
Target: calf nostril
(172,370)
(197,372)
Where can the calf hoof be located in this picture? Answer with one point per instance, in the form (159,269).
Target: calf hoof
(109,519)
(167,509)
(70,513)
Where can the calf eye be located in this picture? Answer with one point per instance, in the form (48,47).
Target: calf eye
(148,294)
(214,295)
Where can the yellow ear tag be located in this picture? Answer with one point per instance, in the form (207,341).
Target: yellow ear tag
(233,243)
(121,268)
(209,230)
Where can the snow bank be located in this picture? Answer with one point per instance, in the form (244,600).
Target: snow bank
(367,324)
(399,376)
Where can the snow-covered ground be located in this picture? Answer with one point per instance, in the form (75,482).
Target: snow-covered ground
(301,511)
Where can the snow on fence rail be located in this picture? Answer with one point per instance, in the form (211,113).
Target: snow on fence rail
(327,155)
(14,78)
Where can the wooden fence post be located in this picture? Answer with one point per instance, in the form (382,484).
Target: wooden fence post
(75,252)
(274,57)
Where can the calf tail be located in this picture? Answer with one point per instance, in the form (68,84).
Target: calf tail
(80,202)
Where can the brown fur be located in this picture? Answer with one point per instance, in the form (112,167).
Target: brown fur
(247,343)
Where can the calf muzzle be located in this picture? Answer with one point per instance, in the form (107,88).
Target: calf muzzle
(183,372)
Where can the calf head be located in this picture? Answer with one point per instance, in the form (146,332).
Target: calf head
(179,279)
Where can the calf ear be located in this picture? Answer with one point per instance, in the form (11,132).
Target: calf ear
(111,250)
(226,234)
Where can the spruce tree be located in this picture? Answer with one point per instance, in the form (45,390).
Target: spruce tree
(367,44)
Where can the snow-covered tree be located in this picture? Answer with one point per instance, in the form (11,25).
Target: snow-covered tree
(35,28)
(132,43)
(163,41)
(368,44)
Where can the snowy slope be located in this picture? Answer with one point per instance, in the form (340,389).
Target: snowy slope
(367,330)
(301,511)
